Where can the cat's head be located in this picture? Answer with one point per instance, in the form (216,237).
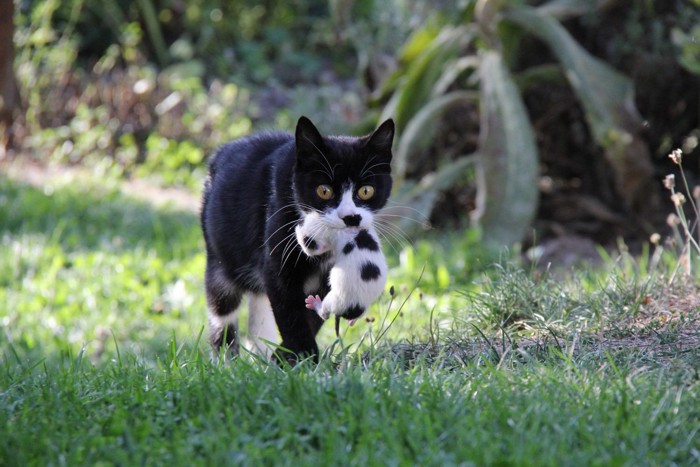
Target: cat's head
(340,182)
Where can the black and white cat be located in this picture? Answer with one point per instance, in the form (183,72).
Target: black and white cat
(358,275)
(258,190)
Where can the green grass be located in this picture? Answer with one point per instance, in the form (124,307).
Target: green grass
(103,360)
(190,411)
(80,262)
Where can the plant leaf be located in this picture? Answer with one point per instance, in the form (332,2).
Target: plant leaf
(421,196)
(419,132)
(606,95)
(507,166)
(421,76)
(564,9)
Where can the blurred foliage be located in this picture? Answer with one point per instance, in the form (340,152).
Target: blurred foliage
(120,110)
(477,50)
(254,41)
(151,87)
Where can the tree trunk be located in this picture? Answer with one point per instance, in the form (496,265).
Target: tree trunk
(9,101)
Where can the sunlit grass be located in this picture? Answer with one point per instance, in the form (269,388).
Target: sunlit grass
(83,265)
(104,357)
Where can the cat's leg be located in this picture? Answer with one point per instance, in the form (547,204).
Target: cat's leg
(261,325)
(297,325)
(223,300)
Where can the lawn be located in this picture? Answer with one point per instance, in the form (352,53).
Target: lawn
(104,358)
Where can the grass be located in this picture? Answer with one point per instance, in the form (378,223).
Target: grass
(103,360)
(194,412)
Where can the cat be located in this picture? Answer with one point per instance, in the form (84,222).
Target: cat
(258,189)
(358,275)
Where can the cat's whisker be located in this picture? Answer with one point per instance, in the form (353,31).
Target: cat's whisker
(328,164)
(318,230)
(323,171)
(290,205)
(368,170)
(364,167)
(284,239)
(384,217)
(293,205)
(298,256)
(393,228)
(391,221)
(287,245)
(295,221)
(391,204)
(308,207)
(395,211)
(286,256)
(387,240)
(393,237)
(288,250)
(326,223)
(391,225)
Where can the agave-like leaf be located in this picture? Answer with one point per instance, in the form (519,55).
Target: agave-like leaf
(564,9)
(453,71)
(420,131)
(420,78)
(421,197)
(420,40)
(507,166)
(607,97)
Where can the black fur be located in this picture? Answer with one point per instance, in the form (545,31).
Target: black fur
(310,243)
(353,312)
(352,221)
(365,241)
(252,198)
(225,337)
(369,272)
(347,249)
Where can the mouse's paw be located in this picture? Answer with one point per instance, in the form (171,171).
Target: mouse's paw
(313,303)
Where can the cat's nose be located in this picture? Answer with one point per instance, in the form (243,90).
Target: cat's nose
(352,221)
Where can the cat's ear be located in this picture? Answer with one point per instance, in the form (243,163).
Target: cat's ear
(308,139)
(380,141)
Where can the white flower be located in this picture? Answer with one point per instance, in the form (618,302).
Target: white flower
(678,198)
(670,181)
(676,156)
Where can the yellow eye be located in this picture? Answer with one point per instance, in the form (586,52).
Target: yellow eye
(324,192)
(365,192)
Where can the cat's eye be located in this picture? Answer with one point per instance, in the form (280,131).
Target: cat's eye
(324,192)
(365,192)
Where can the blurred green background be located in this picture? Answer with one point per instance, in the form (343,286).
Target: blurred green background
(533,120)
